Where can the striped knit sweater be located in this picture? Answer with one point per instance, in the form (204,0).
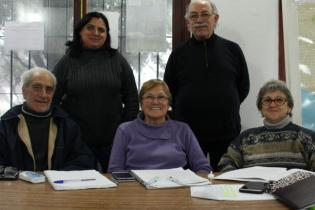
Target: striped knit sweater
(99,92)
(291,147)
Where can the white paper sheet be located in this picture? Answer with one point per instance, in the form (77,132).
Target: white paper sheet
(24,36)
(226,192)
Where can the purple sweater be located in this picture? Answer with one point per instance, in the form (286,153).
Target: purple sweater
(138,145)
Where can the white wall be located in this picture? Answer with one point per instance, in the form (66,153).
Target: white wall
(253,24)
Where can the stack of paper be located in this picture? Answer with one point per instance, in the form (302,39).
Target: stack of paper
(168,178)
(257,173)
(74,180)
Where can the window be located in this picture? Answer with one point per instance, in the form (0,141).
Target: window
(57,16)
(306,23)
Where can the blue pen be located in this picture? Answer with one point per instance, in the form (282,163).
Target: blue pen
(72,180)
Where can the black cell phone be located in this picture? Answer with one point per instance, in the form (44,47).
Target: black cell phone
(253,187)
(122,176)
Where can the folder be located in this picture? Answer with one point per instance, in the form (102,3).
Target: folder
(299,195)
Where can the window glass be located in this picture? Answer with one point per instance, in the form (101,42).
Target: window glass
(306,17)
(145,65)
(57,16)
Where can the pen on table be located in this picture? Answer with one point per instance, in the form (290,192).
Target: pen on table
(72,180)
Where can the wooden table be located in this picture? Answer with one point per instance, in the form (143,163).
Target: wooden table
(129,196)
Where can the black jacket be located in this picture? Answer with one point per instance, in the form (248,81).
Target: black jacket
(69,152)
(208,81)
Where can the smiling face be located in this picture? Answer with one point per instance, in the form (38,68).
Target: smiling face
(201,20)
(154,105)
(278,107)
(39,92)
(94,34)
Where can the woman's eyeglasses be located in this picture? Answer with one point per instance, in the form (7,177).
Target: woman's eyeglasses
(151,99)
(279,101)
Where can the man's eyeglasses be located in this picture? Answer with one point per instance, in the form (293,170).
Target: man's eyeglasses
(204,15)
(279,101)
(92,28)
(150,99)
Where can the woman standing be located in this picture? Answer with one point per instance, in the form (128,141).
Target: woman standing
(96,85)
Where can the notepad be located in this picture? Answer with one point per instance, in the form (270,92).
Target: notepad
(168,178)
(75,180)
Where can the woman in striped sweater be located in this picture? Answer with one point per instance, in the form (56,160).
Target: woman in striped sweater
(279,142)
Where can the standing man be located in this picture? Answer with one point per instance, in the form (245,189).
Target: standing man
(208,79)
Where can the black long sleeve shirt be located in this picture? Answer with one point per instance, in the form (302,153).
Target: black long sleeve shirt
(208,81)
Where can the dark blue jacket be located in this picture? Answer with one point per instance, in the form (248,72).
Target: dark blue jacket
(69,152)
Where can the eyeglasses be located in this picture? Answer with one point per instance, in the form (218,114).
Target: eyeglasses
(204,15)
(150,99)
(279,101)
(39,88)
(93,28)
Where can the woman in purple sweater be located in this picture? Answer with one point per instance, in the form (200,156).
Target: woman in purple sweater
(153,140)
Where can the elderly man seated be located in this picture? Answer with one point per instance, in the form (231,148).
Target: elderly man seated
(36,136)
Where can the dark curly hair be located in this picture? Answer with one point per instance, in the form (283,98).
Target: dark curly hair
(75,46)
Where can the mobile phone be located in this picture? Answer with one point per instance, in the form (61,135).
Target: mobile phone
(253,187)
(122,176)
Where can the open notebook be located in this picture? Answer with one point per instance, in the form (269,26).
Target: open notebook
(168,178)
(74,180)
(257,173)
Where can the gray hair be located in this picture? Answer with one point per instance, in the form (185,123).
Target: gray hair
(214,8)
(27,76)
(271,86)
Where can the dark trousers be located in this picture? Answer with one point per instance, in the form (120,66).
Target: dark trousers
(215,149)
(102,155)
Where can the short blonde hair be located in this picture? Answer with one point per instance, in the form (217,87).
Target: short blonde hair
(152,83)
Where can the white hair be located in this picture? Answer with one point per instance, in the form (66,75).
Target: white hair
(27,76)
(214,8)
